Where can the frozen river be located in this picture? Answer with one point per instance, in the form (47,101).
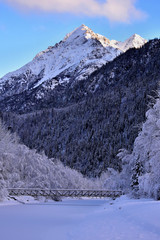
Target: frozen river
(122,219)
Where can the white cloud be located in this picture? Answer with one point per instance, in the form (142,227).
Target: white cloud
(114,10)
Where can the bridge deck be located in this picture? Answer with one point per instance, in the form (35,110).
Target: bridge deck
(62,192)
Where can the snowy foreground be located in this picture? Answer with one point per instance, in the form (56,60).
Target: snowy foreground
(122,219)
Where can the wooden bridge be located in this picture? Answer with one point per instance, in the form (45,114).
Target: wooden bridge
(55,193)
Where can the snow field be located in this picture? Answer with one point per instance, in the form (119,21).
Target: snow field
(72,219)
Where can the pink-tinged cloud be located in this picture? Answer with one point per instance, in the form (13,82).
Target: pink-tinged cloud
(114,10)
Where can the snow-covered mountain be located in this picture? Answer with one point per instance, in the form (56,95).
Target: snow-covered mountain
(135,41)
(86,123)
(73,59)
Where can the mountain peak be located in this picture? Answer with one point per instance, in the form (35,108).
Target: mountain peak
(135,41)
(85,33)
(80,31)
(78,55)
(136,37)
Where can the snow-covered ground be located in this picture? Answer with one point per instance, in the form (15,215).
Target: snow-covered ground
(121,219)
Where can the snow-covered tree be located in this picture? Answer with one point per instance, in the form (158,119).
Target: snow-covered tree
(144,164)
(22,167)
(125,175)
(137,171)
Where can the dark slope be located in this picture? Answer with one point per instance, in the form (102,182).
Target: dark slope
(97,116)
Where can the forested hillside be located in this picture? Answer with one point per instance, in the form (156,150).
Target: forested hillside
(86,124)
(21,167)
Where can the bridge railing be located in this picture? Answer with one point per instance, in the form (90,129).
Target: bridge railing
(34,192)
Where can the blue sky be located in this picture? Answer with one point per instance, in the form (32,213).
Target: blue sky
(27,29)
